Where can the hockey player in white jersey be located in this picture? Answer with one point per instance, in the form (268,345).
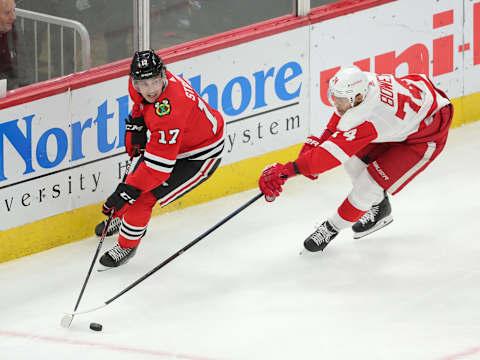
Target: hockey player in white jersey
(385,131)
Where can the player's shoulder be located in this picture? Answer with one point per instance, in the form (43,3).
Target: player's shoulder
(372,77)
(176,91)
(353,118)
(176,81)
(173,84)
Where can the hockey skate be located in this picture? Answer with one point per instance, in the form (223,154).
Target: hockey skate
(320,238)
(117,256)
(113,229)
(377,217)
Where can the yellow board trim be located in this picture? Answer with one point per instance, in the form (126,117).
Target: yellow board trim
(466,109)
(243,175)
(79,224)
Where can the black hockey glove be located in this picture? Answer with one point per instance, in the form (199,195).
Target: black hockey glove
(135,135)
(123,195)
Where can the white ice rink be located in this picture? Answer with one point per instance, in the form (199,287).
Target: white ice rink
(410,291)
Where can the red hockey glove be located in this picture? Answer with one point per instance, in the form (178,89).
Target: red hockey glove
(135,136)
(123,195)
(273,177)
(311,143)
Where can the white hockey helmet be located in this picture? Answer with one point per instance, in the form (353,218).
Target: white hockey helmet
(347,83)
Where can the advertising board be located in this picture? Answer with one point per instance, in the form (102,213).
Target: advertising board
(393,38)
(67,151)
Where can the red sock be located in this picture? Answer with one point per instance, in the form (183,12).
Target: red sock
(350,213)
(126,243)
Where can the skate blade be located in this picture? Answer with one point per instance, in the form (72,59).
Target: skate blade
(104,268)
(381,224)
(305,252)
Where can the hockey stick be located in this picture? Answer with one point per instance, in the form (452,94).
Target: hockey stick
(67,319)
(165,262)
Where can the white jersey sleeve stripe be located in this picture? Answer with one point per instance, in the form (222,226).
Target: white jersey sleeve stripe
(217,144)
(215,152)
(157,167)
(159,159)
(335,150)
(158,163)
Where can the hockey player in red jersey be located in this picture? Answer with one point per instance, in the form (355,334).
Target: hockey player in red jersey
(385,131)
(183,150)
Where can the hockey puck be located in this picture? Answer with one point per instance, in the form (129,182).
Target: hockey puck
(96,327)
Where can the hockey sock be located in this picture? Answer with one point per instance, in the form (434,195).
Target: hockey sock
(346,215)
(126,243)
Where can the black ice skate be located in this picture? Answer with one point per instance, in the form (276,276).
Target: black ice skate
(320,238)
(377,217)
(117,256)
(113,229)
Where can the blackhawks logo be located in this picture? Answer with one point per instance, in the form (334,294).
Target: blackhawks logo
(163,108)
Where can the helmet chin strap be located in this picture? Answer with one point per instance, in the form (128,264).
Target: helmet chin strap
(351,100)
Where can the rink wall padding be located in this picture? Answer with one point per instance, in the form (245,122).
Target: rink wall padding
(79,223)
(62,140)
(466,109)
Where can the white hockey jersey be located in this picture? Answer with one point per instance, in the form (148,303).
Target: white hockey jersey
(394,110)
(395,107)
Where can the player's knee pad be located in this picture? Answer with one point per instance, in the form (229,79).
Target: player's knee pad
(366,192)
(354,167)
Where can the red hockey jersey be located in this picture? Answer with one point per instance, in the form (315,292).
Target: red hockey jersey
(394,110)
(182,126)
